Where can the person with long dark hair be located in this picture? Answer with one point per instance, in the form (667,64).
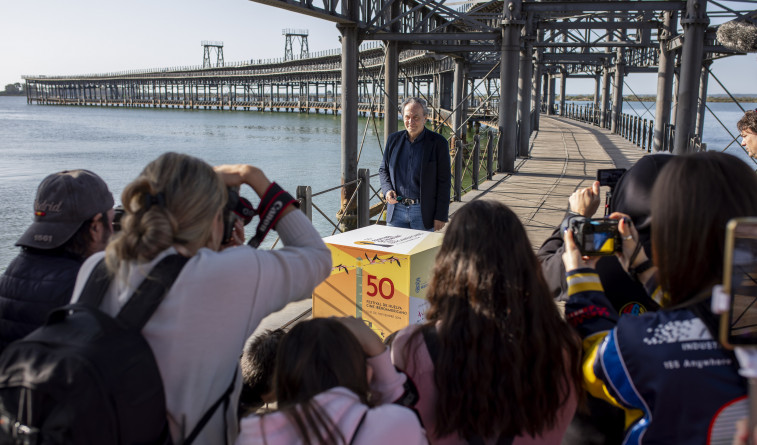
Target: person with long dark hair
(334,384)
(494,361)
(666,367)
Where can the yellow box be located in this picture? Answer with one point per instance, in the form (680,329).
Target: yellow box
(380,274)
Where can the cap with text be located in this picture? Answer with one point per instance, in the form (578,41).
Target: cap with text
(64,201)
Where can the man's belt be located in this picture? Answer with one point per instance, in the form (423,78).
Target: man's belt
(408,201)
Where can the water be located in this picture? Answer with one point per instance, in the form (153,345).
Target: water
(716,136)
(116,143)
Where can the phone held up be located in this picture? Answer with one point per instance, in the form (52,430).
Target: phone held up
(596,236)
(609,177)
(738,325)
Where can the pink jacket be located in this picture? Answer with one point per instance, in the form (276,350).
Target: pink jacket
(384,424)
(421,371)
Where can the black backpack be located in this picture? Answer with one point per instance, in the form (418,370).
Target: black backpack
(87,377)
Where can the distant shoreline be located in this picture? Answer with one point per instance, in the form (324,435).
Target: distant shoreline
(646,98)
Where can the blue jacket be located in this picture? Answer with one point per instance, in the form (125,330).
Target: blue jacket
(435,175)
(35,282)
(676,381)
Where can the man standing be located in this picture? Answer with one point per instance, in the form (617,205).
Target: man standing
(747,125)
(73,213)
(415,172)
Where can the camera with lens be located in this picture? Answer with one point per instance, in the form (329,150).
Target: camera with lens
(237,208)
(596,236)
(118,213)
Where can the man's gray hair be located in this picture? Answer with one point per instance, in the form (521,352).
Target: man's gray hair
(415,100)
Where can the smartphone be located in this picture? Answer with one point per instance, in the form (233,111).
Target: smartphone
(738,325)
(609,176)
(596,236)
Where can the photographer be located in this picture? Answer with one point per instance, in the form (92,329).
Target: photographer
(665,368)
(631,196)
(198,332)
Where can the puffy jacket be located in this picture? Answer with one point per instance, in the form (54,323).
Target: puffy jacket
(35,282)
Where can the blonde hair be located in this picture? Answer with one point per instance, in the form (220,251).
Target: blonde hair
(173,201)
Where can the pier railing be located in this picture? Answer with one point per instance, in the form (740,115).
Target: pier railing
(633,128)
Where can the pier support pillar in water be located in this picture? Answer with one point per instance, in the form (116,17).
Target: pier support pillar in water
(694,25)
(664,80)
(524,89)
(508,81)
(349,120)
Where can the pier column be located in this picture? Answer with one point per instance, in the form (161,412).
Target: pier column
(508,81)
(664,81)
(617,95)
(563,82)
(597,89)
(694,25)
(536,92)
(525,79)
(391,89)
(551,93)
(349,117)
(702,104)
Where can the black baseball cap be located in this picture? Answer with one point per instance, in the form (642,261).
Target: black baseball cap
(64,201)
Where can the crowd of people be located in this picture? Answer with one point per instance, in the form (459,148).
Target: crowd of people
(633,358)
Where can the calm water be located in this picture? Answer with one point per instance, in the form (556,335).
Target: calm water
(293,149)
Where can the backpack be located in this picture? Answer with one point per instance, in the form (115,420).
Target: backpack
(87,377)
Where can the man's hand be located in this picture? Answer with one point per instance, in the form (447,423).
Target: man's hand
(439,225)
(391,197)
(585,202)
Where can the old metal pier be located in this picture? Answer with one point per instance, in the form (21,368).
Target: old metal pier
(491,61)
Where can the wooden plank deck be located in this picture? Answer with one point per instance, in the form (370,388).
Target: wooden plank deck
(564,157)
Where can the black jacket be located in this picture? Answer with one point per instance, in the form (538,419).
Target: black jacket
(435,175)
(35,282)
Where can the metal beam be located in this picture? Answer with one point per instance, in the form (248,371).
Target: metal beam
(432,36)
(602,6)
(653,24)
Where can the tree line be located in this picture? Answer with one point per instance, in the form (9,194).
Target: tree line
(13,89)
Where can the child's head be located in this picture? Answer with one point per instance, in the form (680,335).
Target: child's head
(315,356)
(258,366)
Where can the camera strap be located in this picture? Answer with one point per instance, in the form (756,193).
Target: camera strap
(272,203)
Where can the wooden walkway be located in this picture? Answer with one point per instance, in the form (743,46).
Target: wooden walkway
(564,157)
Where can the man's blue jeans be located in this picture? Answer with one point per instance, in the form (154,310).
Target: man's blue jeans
(408,217)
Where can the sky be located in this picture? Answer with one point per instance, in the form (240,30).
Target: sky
(53,37)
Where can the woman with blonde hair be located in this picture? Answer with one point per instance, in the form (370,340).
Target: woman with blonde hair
(495,363)
(198,331)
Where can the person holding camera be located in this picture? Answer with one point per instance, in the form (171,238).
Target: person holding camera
(198,331)
(665,368)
